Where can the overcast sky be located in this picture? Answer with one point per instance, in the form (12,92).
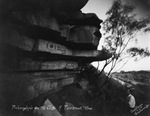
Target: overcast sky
(100,7)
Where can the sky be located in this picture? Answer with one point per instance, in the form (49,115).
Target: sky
(100,7)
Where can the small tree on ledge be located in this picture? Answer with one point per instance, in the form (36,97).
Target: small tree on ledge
(121,27)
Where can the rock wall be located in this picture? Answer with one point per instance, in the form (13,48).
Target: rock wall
(44,46)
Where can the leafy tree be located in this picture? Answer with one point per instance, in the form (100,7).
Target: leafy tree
(138,52)
(121,27)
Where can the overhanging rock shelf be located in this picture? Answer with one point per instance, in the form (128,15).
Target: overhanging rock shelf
(45,50)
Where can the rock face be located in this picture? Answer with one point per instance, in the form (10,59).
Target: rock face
(44,46)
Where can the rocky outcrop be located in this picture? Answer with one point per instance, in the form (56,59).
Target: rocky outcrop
(44,47)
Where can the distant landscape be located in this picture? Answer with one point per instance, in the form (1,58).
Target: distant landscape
(138,76)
